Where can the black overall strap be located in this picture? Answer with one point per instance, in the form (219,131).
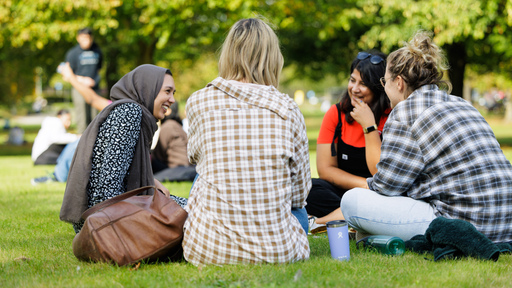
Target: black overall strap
(337,131)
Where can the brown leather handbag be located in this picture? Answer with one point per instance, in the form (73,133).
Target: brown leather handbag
(127,229)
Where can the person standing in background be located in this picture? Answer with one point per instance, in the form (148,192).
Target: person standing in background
(85,60)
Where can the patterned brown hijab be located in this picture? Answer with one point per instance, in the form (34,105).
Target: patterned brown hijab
(140,86)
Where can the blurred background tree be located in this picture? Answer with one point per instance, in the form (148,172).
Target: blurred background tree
(471,32)
(319,37)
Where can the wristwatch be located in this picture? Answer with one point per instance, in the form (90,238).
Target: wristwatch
(370,129)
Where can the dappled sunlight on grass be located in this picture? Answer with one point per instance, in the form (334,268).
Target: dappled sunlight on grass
(312,163)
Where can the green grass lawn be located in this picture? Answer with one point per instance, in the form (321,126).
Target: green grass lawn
(35,251)
(35,247)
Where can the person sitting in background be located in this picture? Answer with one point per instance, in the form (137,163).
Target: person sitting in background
(63,161)
(169,158)
(250,145)
(348,145)
(52,138)
(16,136)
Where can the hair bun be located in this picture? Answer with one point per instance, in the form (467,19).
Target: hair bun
(419,62)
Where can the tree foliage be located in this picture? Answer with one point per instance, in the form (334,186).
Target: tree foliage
(318,37)
(130,32)
(470,31)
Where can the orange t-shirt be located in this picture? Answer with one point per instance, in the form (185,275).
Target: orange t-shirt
(352,134)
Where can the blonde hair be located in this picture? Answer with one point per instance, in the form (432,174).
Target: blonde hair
(419,62)
(251,53)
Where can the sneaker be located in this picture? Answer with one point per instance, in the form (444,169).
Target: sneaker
(42,180)
(351,233)
(315,228)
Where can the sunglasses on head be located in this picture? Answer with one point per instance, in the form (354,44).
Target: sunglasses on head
(374,59)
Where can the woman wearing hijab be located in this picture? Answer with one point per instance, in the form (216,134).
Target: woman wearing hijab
(114,150)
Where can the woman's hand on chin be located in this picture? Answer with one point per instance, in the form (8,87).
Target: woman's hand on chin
(362,113)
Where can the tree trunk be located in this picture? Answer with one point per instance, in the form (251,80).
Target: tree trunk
(457,58)
(146,52)
(112,67)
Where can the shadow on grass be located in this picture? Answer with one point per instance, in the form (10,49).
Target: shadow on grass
(26,149)
(14,150)
(505,141)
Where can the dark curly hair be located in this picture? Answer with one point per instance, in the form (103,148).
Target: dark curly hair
(370,74)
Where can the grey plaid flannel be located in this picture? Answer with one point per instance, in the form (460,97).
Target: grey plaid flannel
(438,148)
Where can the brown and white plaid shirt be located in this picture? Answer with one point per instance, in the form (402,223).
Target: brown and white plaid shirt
(251,150)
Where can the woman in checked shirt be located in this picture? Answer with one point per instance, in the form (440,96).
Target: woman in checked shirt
(439,157)
(249,143)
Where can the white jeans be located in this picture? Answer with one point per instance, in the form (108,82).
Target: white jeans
(375,214)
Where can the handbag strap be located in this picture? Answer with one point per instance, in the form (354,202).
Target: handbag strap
(337,131)
(114,200)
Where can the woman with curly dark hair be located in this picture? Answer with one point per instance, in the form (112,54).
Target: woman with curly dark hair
(348,146)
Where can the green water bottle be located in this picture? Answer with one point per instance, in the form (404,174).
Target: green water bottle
(388,245)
